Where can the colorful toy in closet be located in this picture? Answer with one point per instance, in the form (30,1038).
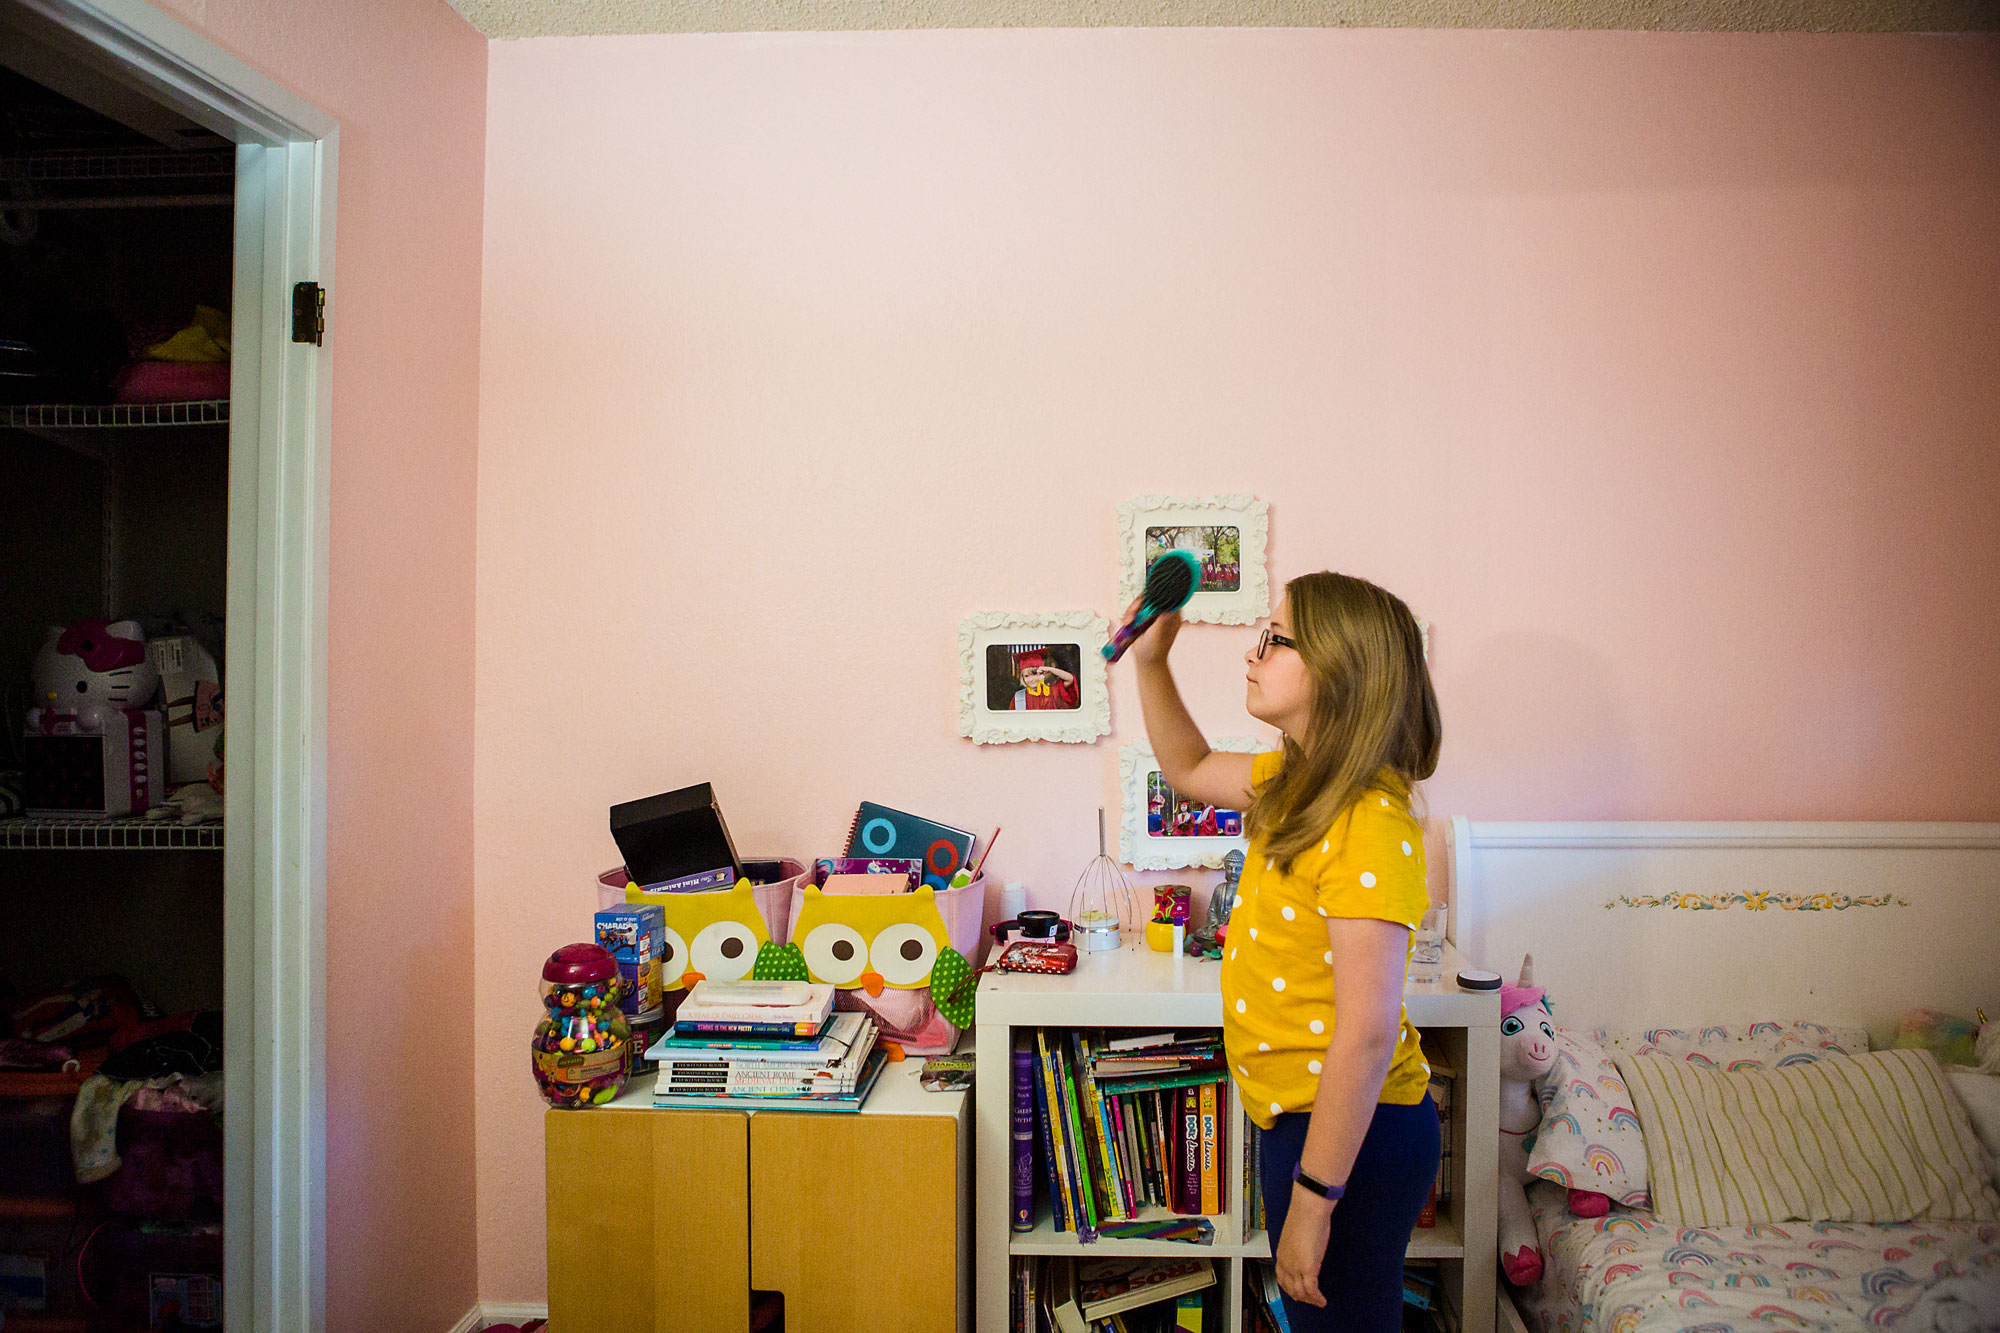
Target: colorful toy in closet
(91,745)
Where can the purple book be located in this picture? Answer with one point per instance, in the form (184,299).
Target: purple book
(1190,1151)
(1024,1137)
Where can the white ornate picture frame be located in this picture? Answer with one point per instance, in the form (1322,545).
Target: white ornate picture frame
(1142,848)
(1201,523)
(1005,657)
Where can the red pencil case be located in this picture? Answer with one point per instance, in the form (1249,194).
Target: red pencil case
(1048,957)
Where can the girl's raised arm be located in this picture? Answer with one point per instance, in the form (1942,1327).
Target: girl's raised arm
(1213,777)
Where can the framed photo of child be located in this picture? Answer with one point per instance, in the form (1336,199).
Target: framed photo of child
(1227,533)
(1163,830)
(1033,677)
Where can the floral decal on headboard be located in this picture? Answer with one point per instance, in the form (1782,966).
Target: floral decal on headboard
(1759,901)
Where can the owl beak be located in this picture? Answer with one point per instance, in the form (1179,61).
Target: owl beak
(872,983)
(690,977)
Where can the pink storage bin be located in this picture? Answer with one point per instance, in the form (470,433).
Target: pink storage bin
(777,903)
(963,910)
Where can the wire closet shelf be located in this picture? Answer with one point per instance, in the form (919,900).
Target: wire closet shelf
(107,835)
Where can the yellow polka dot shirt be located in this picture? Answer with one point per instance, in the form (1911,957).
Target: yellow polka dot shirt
(1277,971)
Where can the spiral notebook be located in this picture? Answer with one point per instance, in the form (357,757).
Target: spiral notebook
(879,831)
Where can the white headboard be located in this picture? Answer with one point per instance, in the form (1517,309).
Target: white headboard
(1566,893)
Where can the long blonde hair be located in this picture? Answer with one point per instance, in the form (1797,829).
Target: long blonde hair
(1374,715)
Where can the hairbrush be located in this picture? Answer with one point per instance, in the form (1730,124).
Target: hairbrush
(1169,583)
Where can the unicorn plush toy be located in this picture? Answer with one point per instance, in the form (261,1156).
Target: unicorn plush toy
(1527,1049)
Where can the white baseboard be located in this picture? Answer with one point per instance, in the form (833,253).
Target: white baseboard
(498,1312)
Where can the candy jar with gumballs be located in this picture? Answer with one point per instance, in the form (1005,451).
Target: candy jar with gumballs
(582,1050)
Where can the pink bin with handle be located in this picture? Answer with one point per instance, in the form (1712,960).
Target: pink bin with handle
(774,901)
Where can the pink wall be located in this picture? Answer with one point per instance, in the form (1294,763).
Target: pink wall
(1660,372)
(407,83)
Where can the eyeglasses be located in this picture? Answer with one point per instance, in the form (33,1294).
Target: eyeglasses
(1267,638)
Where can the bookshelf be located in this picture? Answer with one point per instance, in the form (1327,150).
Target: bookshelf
(1133,987)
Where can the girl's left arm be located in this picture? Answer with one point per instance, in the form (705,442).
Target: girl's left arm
(1368,961)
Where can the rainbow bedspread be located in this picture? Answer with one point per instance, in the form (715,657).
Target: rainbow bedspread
(1627,1273)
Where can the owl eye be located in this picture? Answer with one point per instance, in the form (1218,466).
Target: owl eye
(673,957)
(835,953)
(903,954)
(725,950)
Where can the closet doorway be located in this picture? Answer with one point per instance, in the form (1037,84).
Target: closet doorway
(243,477)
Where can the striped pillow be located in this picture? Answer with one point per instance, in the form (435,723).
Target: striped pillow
(1862,1138)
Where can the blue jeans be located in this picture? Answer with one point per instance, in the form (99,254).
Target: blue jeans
(1362,1275)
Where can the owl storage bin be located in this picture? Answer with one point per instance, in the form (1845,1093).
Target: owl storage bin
(899,956)
(714,934)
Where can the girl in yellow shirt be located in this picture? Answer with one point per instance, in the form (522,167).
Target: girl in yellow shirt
(1319,941)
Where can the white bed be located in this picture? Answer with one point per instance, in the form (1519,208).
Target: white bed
(1649,925)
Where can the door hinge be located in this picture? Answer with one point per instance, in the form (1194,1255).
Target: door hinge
(308,313)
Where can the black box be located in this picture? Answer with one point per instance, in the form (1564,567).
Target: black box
(675,835)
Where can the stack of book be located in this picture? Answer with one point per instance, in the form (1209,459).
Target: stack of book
(765,1043)
(1123,1123)
(1118,1295)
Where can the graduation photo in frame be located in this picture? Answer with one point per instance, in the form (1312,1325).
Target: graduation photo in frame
(1227,534)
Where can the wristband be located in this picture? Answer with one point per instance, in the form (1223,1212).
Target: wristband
(1331,1193)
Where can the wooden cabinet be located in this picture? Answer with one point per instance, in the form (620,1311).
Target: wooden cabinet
(667,1220)
(648,1226)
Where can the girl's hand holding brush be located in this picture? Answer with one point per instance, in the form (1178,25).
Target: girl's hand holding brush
(1151,647)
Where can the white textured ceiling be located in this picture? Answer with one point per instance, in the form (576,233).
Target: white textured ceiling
(572,18)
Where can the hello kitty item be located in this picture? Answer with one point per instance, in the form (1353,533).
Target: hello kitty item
(92,746)
(1527,1049)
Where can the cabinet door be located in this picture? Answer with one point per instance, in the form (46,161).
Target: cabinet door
(648,1221)
(855,1219)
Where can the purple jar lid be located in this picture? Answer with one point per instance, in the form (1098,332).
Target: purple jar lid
(579,965)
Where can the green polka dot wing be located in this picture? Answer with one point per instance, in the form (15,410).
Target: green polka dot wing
(779,962)
(952,989)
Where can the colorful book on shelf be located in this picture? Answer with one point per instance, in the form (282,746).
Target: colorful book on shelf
(1046,1145)
(1105,1287)
(1022,1132)
(1186,1078)
(1090,1166)
(1062,1203)
(1113,1150)
(1190,1150)
(1080,1149)
(1113,1180)
(878,831)
(1193,1230)
(1211,1165)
